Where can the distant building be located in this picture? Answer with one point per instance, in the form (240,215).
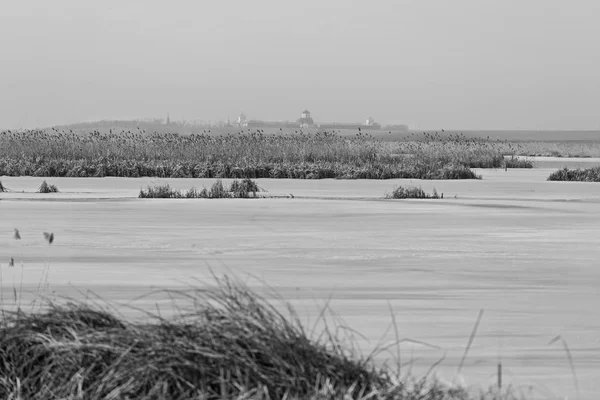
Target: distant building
(242,122)
(370,122)
(306,120)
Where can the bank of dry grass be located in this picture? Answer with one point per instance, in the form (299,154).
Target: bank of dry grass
(230,343)
(295,155)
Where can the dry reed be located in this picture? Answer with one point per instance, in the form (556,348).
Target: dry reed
(254,154)
(229,343)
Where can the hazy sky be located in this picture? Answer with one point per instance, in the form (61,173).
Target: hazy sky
(453,64)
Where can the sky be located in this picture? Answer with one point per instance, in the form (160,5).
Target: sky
(430,64)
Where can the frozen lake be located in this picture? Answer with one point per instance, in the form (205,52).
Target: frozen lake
(523,249)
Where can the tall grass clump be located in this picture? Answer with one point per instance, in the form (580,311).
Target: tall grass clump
(413,193)
(576,175)
(47,188)
(159,192)
(514,162)
(246,154)
(229,343)
(243,189)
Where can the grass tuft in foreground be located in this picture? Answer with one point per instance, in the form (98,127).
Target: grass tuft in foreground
(46,188)
(576,175)
(243,189)
(413,193)
(230,343)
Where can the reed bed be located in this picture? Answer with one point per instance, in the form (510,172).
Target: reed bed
(576,175)
(45,187)
(247,154)
(514,162)
(244,189)
(413,193)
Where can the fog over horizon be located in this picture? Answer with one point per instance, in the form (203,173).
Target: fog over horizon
(464,64)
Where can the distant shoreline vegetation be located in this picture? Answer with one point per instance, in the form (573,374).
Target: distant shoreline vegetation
(253,154)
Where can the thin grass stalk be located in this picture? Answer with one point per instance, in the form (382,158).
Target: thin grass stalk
(470,342)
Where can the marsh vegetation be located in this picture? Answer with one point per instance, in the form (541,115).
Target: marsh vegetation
(412,192)
(45,187)
(576,175)
(226,342)
(243,189)
(253,154)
